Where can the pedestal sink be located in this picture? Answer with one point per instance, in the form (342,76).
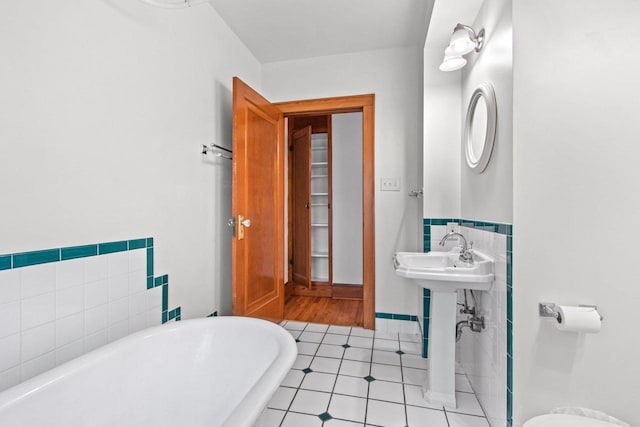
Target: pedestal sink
(443,273)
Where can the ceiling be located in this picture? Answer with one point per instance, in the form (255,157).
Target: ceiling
(281,30)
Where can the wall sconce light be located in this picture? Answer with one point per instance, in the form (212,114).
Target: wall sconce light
(463,40)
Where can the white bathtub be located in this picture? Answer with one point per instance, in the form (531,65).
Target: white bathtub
(217,371)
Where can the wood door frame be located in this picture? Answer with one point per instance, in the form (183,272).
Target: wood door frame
(351,104)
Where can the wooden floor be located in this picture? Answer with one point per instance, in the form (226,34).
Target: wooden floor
(323,310)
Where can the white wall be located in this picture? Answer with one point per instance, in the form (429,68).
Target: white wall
(346,195)
(103,107)
(489,196)
(576,202)
(394,75)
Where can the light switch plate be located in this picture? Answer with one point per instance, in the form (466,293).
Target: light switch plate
(389,184)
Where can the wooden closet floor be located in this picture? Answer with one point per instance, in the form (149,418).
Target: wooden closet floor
(323,310)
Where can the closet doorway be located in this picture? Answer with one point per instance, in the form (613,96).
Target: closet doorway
(329,272)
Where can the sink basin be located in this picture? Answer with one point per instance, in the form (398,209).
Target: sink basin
(444,271)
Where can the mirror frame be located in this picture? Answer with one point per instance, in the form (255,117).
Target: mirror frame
(484,90)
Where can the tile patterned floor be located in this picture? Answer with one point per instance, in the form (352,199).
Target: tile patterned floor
(356,377)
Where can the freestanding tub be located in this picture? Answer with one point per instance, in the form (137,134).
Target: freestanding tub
(218,371)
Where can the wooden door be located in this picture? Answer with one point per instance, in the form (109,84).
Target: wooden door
(301,167)
(258,188)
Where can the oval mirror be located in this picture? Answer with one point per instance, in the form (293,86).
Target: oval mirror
(480,127)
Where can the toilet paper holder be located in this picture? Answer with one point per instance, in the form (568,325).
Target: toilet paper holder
(548,309)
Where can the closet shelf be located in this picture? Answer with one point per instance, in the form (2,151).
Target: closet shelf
(319,205)
(319,176)
(319,225)
(319,255)
(319,194)
(319,163)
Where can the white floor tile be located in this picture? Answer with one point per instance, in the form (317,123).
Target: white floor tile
(326,365)
(463,384)
(414,361)
(282,398)
(386,335)
(413,376)
(341,330)
(311,336)
(348,408)
(352,386)
(359,354)
(310,402)
(270,418)
(467,404)
(388,391)
(316,327)
(415,337)
(423,417)
(297,420)
(386,372)
(361,332)
(294,334)
(461,420)
(413,395)
(386,357)
(302,361)
(318,381)
(364,342)
(308,348)
(388,345)
(385,414)
(335,339)
(295,326)
(293,379)
(341,423)
(328,350)
(411,347)
(355,368)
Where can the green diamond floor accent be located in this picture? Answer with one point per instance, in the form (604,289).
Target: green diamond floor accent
(325,416)
(400,352)
(307,370)
(297,340)
(369,378)
(346,345)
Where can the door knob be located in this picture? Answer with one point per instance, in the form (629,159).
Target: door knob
(246,222)
(242,223)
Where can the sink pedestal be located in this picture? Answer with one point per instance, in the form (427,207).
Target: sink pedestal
(440,387)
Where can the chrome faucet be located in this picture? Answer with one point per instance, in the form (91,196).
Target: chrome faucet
(465,253)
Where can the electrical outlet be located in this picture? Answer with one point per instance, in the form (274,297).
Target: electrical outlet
(389,184)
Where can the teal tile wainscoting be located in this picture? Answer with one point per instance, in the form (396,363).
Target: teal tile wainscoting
(394,316)
(57,304)
(499,228)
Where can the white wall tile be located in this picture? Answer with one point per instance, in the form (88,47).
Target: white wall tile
(39,365)
(118,330)
(9,378)
(9,286)
(154,298)
(9,319)
(138,260)
(118,310)
(118,286)
(69,329)
(96,340)
(95,319)
(137,303)
(138,322)
(137,281)
(154,317)
(38,279)
(38,310)
(95,268)
(69,273)
(69,301)
(95,294)
(69,351)
(117,263)
(38,341)
(10,354)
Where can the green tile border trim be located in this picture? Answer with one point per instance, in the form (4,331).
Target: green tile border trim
(394,316)
(494,227)
(26,259)
(214,314)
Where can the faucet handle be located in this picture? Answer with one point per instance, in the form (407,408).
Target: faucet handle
(470,246)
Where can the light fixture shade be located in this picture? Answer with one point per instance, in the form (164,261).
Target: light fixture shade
(461,42)
(452,63)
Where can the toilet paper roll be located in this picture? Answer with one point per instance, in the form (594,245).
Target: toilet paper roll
(578,319)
